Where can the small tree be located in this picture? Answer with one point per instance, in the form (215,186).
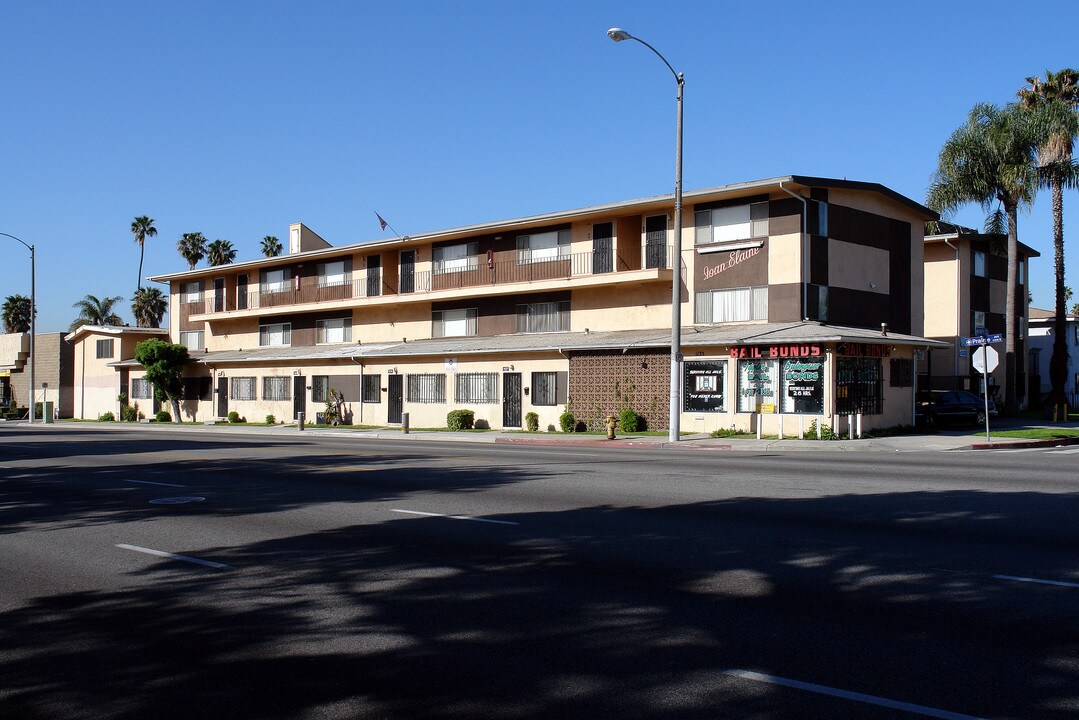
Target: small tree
(220,252)
(149,306)
(164,362)
(271,246)
(192,247)
(16,314)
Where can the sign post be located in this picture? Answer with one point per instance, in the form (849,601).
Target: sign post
(985,360)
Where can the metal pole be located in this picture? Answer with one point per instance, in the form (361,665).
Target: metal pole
(33,317)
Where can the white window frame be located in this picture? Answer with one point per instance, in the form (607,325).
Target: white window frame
(242,388)
(979,262)
(975,323)
(341,329)
(198,337)
(275,388)
(543,317)
(733,223)
(266,333)
(332,273)
(709,303)
(187,295)
(543,247)
(462,322)
(105,349)
(454,258)
(141,389)
(276,281)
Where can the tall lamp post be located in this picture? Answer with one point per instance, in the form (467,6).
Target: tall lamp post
(33,318)
(618,35)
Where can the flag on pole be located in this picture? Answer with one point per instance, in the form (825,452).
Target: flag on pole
(381,222)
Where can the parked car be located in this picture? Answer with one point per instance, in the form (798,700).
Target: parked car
(954,406)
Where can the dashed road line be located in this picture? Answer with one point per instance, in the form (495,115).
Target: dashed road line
(1038,581)
(173,556)
(849,695)
(454,517)
(147,482)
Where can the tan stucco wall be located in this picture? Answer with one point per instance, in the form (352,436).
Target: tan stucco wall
(785,259)
(941,297)
(624,308)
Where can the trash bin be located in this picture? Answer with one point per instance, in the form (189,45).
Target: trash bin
(47,412)
(404,422)
(299,420)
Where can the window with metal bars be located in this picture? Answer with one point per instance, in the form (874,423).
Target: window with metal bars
(544,388)
(372,388)
(242,388)
(275,388)
(476,388)
(858,386)
(426,388)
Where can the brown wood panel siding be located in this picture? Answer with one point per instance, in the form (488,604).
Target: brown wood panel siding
(734,202)
(628,243)
(607,382)
(731,268)
(858,308)
(498,315)
(186,311)
(819,194)
(390,270)
(784,217)
(303,324)
(347,385)
(785,302)
(860,227)
(818,260)
(899,277)
(979,293)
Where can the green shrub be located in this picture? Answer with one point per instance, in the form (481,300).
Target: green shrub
(825,432)
(567,422)
(628,421)
(130,413)
(531,422)
(234,417)
(271,420)
(460,419)
(106,417)
(163,416)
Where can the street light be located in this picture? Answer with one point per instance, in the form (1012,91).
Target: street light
(618,35)
(33,318)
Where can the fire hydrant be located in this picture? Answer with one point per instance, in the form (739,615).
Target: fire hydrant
(612,421)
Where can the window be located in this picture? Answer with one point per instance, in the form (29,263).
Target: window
(979,263)
(275,280)
(822,219)
(319,388)
(1021,327)
(104,348)
(372,388)
(542,247)
(1021,277)
(454,323)
(337,330)
(428,388)
(901,372)
(758,384)
(704,386)
(544,388)
(453,258)
(275,335)
(242,388)
(477,388)
(978,322)
(543,317)
(739,304)
(730,224)
(191,292)
(332,273)
(858,386)
(192,339)
(275,388)
(140,389)
(198,388)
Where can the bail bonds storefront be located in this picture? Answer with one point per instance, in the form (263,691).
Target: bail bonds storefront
(783,388)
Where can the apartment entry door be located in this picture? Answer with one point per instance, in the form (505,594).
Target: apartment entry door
(408,271)
(511,400)
(655,241)
(219,294)
(603,247)
(395,397)
(299,395)
(222,397)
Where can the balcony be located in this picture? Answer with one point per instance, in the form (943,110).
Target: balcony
(500,270)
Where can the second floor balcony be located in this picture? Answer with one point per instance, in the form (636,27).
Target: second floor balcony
(474,275)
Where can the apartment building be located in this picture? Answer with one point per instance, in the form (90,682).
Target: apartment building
(803,298)
(1042,329)
(52,371)
(104,368)
(966,282)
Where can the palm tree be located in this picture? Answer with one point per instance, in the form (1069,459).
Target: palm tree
(142,227)
(16,312)
(192,247)
(220,252)
(990,160)
(271,246)
(148,306)
(1053,102)
(96,311)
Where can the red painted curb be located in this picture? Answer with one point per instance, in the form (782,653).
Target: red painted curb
(1024,444)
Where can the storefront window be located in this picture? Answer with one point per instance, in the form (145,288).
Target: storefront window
(757,384)
(705,385)
(858,386)
(803,385)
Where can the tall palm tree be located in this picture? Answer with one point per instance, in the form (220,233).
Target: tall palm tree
(1053,101)
(16,312)
(148,306)
(142,227)
(220,252)
(97,311)
(192,247)
(990,160)
(271,246)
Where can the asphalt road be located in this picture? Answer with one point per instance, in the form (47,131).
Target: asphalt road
(310,577)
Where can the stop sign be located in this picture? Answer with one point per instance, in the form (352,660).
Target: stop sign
(985,359)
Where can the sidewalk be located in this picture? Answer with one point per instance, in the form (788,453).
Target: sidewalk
(951,439)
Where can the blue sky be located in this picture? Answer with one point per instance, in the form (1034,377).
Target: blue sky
(237,118)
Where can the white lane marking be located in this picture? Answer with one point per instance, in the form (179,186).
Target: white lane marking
(1019,450)
(848,695)
(455,517)
(1059,583)
(1070,451)
(173,556)
(147,482)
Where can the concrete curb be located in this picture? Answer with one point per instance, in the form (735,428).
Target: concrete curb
(1009,444)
